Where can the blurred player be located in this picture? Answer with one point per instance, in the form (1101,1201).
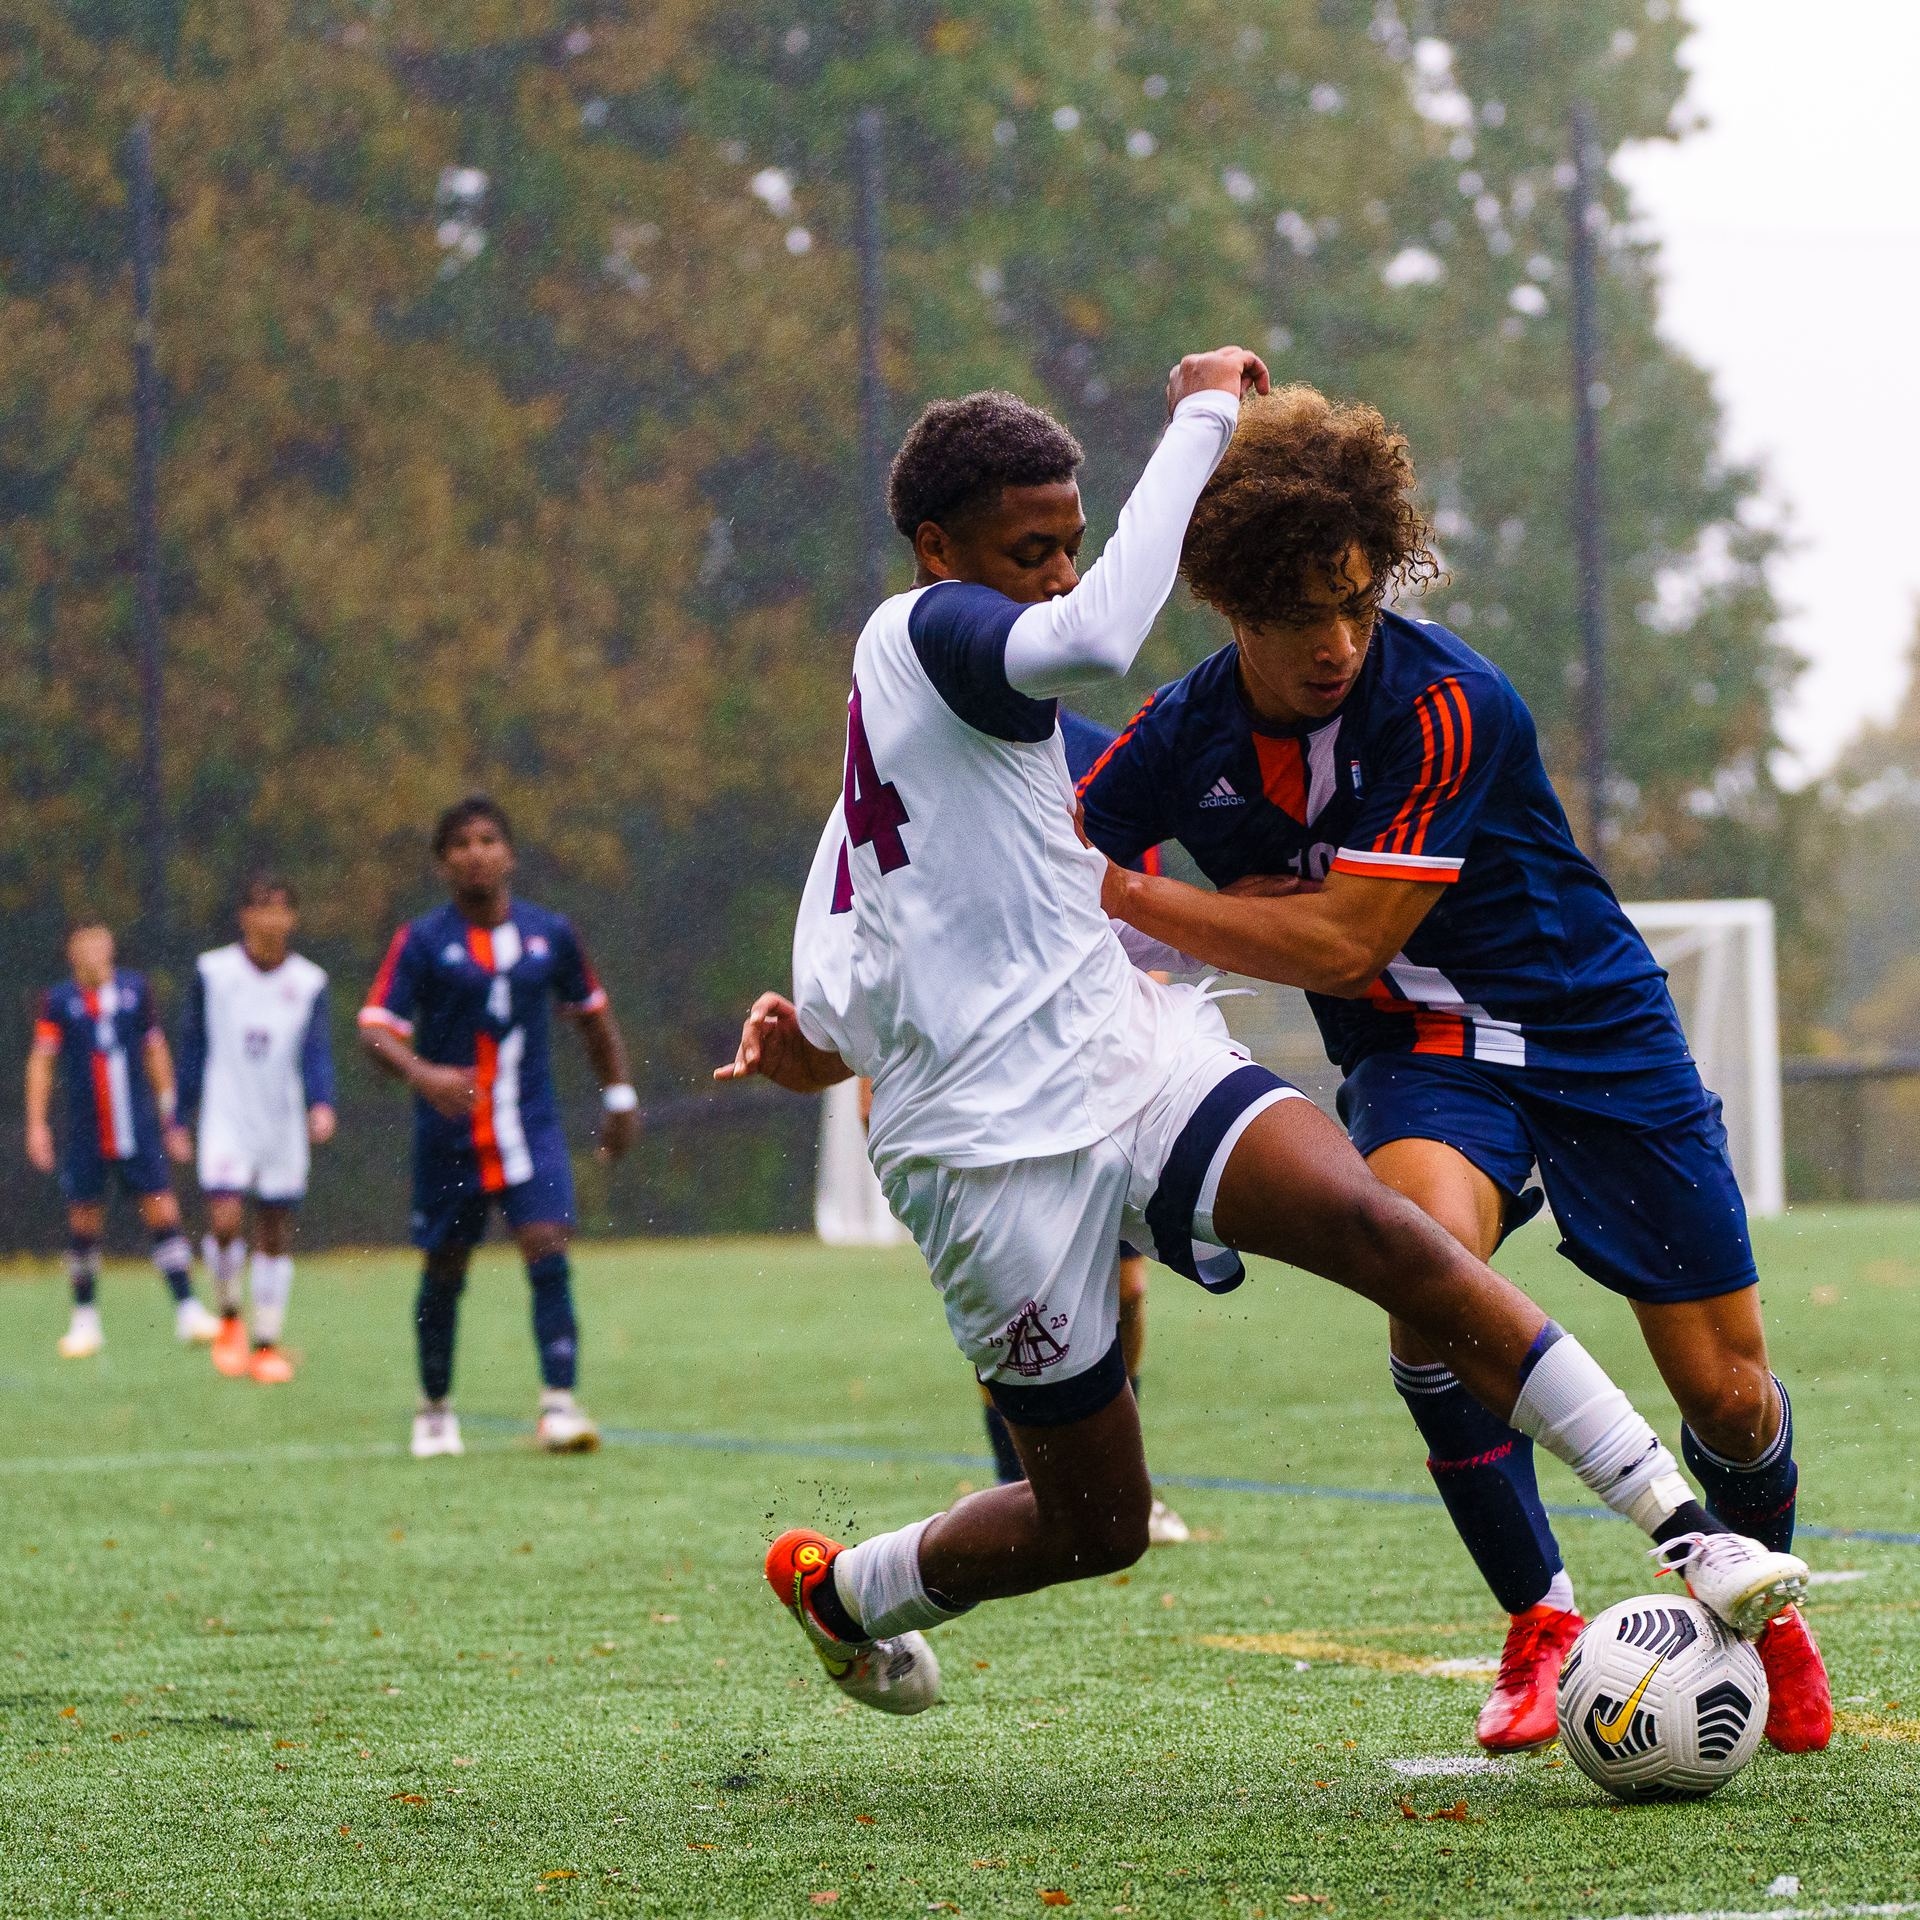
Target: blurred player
(256,1067)
(1486,998)
(116,1080)
(1036,1094)
(459,1011)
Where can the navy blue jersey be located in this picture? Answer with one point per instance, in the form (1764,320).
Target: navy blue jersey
(1430,771)
(480,997)
(100,1037)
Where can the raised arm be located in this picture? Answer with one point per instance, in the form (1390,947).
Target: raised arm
(1095,632)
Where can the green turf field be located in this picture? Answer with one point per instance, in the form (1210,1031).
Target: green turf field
(260,1662)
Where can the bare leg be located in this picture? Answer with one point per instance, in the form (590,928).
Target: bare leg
(1133,1313)
(1081,1511)
(1713,1356)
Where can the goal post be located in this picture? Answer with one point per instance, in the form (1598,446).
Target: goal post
(1719,957)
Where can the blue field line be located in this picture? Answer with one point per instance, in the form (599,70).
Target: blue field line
(1196,1482)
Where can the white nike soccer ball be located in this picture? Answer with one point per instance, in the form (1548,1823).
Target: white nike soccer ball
(1660,1701)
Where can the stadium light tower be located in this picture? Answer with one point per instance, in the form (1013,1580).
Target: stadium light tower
(869,244)
(144,245)
(1588,530)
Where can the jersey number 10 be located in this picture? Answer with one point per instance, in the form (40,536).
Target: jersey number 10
(874,811)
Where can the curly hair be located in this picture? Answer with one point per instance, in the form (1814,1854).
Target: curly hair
(1303,479)
(960,453)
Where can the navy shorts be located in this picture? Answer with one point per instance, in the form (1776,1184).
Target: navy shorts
(84,1176)
(450,1205)
(1634,1162)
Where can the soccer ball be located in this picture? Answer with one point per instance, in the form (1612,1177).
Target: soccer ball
(1661,1701)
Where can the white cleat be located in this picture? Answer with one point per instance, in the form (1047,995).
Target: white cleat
(83,1337)
(1745,1583)
(566,1430)
(1165,1528)
(899,1674)
(436,1430)
(193,1324)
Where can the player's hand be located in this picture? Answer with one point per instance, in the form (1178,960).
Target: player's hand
(322,1124)
(179,1143)
(40,1147)
(618,1131)
(1270,886)
(772,1045)
(447,1090)
(1225,370)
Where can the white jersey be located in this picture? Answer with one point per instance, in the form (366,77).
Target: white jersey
(254,1058)
(950,942)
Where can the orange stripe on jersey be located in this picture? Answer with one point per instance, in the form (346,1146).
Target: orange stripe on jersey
(383,980)
(1119,740)
(1439,1033)
(1385,866)
(1150,860)
(1283,774)
(47,1037)
(480,945)
(102,1088)
(1446,741)
(1383,999)
(1454,713)
(486,1070)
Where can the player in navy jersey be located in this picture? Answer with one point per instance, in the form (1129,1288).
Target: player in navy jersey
(459,1011)
(1368,794)
(97,1035)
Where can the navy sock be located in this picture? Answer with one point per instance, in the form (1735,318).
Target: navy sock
(83,1268)
(1754,1497)
(554,1330)
(436,1315)
(1483,1470)
(174,1258)
(1006,1462)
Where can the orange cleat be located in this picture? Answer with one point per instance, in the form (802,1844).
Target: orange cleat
(1521,1711)
(270,1366)
(897,1673)
(231,1355)
(1799,1702)
(796,1565)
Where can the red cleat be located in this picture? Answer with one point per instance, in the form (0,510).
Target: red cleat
(796,1565)
(232,1353)
(1799,1702)
(1522,1712)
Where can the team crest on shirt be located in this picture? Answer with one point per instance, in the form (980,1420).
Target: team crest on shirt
(1353,773)
(453,953)
(537,946)
(1032,1345)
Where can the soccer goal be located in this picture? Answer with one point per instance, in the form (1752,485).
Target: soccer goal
(849,1210)
(1719,957)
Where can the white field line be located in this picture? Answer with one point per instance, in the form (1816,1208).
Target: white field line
(1446,1766)
(1838,1576)
(1779,1913)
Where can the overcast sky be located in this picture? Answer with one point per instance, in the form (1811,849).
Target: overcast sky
(1791,232)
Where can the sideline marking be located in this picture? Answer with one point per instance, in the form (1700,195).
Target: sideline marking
(1445,1766)
(1780,1913)
(824,1450)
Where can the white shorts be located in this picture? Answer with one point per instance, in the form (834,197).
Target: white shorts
(1023,1255)
(268,1163)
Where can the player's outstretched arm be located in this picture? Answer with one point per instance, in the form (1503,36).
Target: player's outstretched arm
(1334,939)
(772,1045)
(1094,632)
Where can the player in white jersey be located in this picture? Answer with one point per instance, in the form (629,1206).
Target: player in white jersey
(256,1068)
(1036,1096)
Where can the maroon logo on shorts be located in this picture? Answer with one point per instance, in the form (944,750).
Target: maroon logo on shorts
(1031,1343)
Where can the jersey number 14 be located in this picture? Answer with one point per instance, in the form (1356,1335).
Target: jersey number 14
(874,811)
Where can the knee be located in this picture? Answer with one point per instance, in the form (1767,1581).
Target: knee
(1732,1409)
(541,1242)
(1111,1538)
(1133,1286)
(444,1274)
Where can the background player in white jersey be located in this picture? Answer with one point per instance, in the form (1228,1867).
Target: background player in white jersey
(1036,1095)
(256,1067)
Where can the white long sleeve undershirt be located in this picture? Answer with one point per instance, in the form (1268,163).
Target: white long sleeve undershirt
(1095,632)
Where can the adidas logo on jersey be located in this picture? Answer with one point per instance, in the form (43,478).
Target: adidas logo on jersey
(1221,794)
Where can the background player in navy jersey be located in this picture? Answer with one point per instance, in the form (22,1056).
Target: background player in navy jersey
(1372,790)
(459,1011)
(98,1034)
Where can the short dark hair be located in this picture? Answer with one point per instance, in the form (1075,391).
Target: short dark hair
(476,806)
(960,453)
(1303,479)
(262,884)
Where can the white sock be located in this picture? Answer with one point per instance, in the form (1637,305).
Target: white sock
(880,1585)
(1560,1594)
(225,1264)
(272,1283)
(1570,1407)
